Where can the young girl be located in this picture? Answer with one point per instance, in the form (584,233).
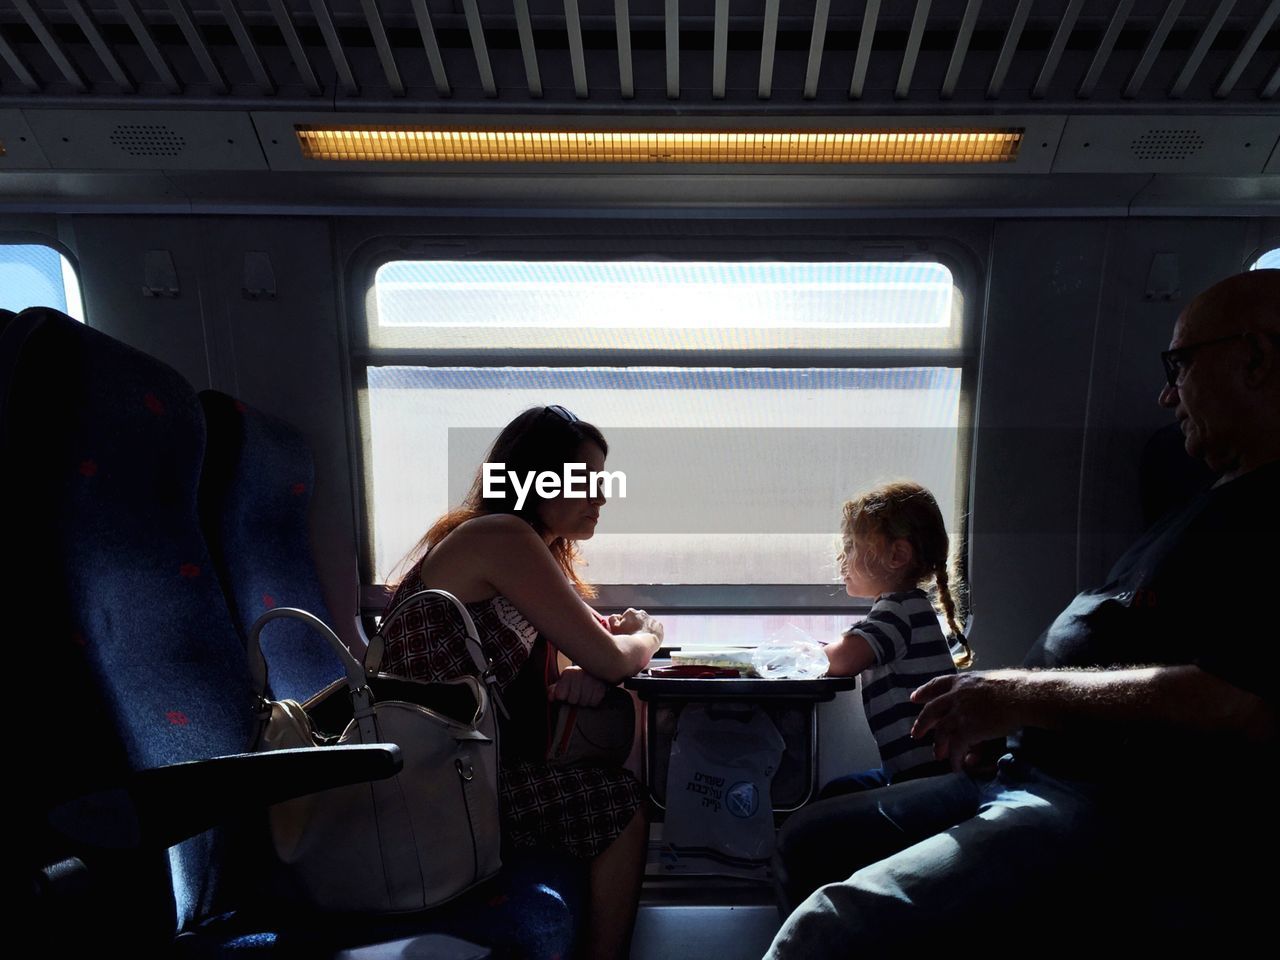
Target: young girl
(894,546)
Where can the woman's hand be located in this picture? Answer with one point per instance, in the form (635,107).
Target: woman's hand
(635,621)
(578,687)
(629,621)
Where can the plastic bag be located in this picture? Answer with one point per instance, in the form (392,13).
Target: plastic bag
(719,781)
(790,654)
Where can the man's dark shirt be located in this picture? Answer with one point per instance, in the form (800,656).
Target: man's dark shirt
(1200,587)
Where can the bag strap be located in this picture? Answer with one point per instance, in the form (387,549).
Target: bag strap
(484,667)
(357,682)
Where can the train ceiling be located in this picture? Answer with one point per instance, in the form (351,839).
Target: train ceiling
(1123,86)
(658,56)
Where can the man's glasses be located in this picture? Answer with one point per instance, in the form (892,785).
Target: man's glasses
(566,415)
(1175,361)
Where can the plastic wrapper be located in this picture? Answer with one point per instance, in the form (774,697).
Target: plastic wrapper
(719,782)
(790,654)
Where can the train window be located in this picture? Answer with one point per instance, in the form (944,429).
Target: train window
(743,401)
(35,275)
(1268,261)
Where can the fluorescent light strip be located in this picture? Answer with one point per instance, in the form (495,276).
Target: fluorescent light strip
(419,145)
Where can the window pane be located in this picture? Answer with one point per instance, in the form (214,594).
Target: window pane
(506,305)
(33,275)
(1268,261)
(733,475)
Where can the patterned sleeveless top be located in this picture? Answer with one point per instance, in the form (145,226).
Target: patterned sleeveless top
(427,641)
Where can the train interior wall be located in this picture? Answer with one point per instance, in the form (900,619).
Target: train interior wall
(1067,317)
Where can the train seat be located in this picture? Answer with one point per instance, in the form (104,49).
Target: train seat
(255,490)
(126,612)
(142,669)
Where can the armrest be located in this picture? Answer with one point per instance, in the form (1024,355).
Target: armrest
(162,806)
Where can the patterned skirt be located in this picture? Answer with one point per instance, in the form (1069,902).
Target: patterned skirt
(580,810)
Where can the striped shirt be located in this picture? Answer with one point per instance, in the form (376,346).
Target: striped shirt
(903,631)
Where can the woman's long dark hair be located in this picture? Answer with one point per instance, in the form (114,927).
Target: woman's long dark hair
(539,439)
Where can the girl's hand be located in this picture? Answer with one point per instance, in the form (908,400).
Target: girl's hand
(577,687)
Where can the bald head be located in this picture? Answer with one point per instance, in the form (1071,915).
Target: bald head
(1247,301)
(1227,392)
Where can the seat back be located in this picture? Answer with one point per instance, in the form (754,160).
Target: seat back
(140,663)
(254,493)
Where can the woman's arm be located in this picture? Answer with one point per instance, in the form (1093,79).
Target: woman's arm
(516,563)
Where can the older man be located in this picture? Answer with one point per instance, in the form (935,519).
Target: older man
(1143,729)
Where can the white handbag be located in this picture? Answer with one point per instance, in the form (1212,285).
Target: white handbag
(414,840)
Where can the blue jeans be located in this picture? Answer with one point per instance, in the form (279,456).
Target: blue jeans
(928,858)
(855,783)
(1028,858)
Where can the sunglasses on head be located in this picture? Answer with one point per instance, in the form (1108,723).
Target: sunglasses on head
(566,415)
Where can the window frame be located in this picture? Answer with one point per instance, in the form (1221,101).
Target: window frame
(629,243)
(32,238)
(1271,245)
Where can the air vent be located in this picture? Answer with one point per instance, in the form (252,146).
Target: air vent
(148,140)
(1167,145)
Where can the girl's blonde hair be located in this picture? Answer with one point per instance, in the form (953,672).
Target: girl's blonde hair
(903,510)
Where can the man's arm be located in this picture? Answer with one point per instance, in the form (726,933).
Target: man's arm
(965,709)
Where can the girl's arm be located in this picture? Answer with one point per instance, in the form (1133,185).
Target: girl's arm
(849,655)
(881,637)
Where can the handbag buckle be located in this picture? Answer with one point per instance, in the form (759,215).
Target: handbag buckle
(464,768)
(362,699)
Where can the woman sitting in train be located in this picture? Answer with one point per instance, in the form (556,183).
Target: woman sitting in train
(512,558)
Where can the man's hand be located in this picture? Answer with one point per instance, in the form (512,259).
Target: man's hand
(964,710)
(578,687)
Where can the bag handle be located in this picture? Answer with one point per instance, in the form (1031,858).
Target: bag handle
(357,681)
(484,668)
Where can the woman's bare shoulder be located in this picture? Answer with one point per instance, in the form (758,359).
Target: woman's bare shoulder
(491,532)
(479,555)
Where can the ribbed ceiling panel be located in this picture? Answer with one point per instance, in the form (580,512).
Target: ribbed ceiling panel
(750,56)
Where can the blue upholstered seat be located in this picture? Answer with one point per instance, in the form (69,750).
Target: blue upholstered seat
(127,612)
(139,664)
(254,494)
